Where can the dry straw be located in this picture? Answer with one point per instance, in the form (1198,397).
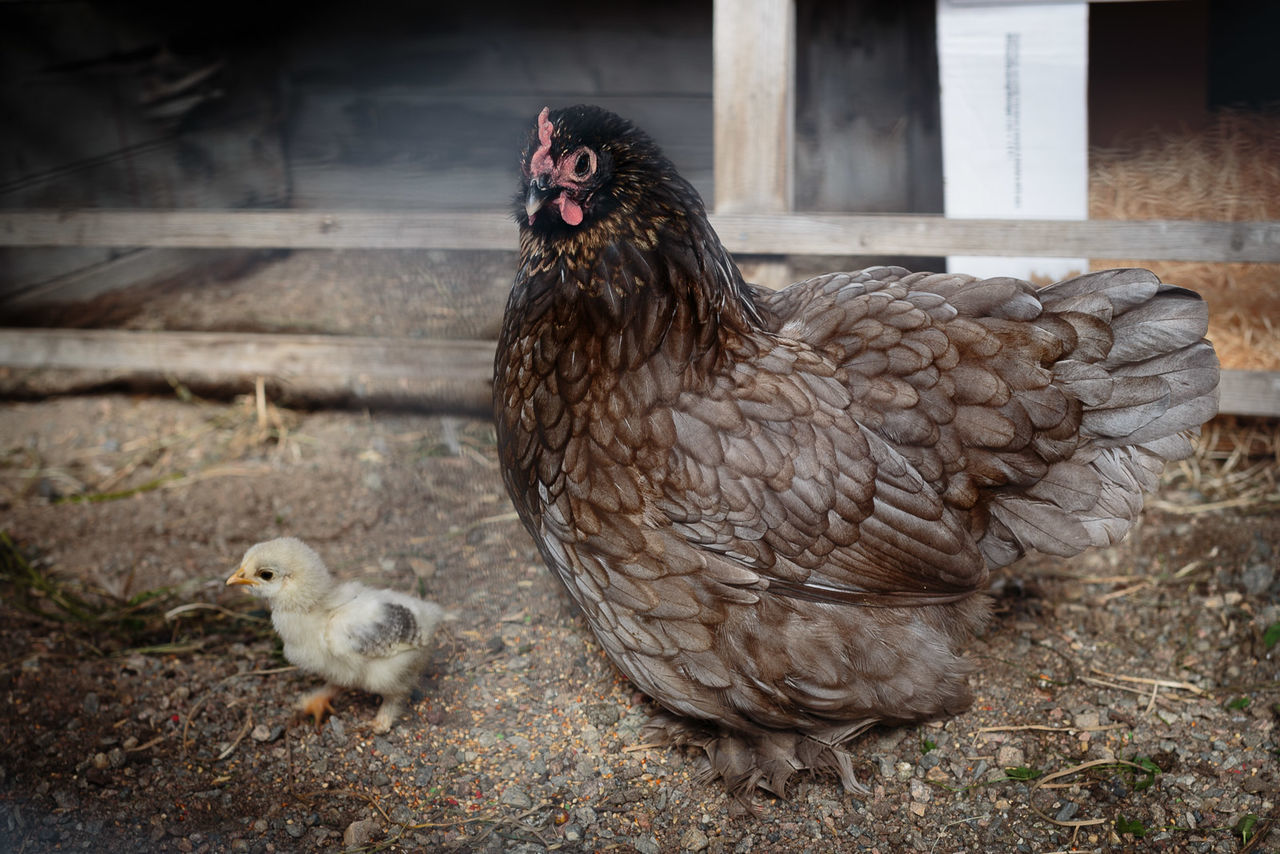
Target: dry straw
(1228,171)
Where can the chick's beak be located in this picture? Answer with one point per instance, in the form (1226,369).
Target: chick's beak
(239,578)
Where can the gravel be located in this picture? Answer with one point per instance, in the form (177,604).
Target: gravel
(524,737)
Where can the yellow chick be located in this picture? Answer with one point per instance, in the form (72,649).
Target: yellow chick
(353,636)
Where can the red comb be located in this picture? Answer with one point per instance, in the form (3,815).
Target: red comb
(541,162)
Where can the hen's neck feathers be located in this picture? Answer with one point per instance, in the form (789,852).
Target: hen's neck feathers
(652,265)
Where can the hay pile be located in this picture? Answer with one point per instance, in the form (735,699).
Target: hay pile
(1229,171)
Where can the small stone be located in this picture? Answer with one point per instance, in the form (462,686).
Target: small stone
(694,840)
(260,826)
(646,844)
(516,797)
(1068,811)
(360,833)
(1010,757)
(1087,720)
(1255,785)
(294,829)
(261,733)
(423,776)
(920,791)
(100,761)
(91,703)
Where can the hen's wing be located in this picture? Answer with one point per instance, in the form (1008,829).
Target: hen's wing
(770,469)
(1041,416)
(948,369)
(380,624)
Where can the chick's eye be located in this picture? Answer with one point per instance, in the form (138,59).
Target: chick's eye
(266,574)
(584,164)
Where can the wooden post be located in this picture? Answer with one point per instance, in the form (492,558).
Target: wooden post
(754,91)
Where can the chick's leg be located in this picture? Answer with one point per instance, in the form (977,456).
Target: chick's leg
(318,704)
(390,709)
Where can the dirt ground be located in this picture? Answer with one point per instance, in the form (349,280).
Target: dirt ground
(1126,700)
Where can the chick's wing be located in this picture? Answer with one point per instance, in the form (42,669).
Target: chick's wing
(373,624)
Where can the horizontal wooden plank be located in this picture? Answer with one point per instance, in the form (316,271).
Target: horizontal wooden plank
(243,353)
(452,372)
(1250,393)
(787,233)
(255,229)
(849,234)
(438,373)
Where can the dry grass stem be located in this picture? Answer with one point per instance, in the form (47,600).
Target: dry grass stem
(1143,680)
(1044,728)
(1075,769)
(244,730)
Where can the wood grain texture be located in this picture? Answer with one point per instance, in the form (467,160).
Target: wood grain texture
(753,47)
(450,375)
(783,233)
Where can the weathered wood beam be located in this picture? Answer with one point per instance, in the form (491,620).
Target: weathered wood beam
(753,93)
(1250,393)
(783,233)
(437,373)
(443,373)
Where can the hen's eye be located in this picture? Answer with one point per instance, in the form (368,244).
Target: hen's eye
(584,165)
(266,574)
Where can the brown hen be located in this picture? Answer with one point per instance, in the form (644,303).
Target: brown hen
(778,510)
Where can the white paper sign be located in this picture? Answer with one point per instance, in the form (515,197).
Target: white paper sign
(1014,80)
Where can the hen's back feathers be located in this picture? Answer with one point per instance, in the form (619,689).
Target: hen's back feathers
(1042,414)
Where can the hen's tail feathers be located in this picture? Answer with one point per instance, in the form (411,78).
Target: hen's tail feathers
(1146,379)
(764,760)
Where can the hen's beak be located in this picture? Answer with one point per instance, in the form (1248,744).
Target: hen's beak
(239,578)
(539,193)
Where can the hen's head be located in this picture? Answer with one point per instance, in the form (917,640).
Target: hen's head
(285,572)
(584,165)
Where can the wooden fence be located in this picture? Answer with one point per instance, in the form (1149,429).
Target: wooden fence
(754,62)
(345,362)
